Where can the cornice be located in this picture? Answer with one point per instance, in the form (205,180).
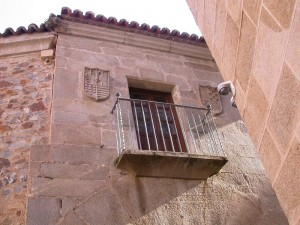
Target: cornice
(26,43)
(132,39)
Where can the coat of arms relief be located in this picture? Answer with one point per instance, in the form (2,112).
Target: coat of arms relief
(96,83)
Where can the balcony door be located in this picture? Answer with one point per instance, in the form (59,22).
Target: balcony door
(156,121)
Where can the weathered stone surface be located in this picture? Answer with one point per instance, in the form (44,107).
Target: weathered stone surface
(287,183)
(43,211)
(76,154)
(230,49)
(252,7)
(74,134)
(282,11)
(151,74)
(40,153)
(71,219)
(285,109)
(245,52)
(234,7)
(293,52)
(102,208)
(256,111)
(25,97)
(268,60)
(270,155)
(67,206)
(65,187)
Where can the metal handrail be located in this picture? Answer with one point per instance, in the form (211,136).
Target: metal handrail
(176,128)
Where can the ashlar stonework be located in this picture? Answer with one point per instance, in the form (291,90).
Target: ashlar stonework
(70,139)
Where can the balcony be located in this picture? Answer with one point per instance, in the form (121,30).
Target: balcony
(159,139)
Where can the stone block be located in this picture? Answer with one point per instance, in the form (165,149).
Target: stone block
(76,154)
(162,59)
(220,26)
(245,52)
(91,58)
(282,11)
(285,111)
(246,203)
(73,118)
(49,53)
(252,8)
(66,84)
(43,211)
(293,50)
(200,13)
(230,48)
(256,111)
(65,187)
(109,138)
(270,155)
(83,106)
(234,7)
(40,153)
(120,52)
(176,80)
(79,43)
(103,208)
(63,170)
(203,65)
(151,74)
(268,60)
(67,206)
(71,219)
(209,21)
(177,70)
(288,182)
(73,134)
(201,75)
(69,171)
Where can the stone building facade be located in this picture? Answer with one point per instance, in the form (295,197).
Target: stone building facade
(256,45)
(58,145)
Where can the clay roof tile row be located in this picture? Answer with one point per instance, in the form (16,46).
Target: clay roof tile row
(112,23)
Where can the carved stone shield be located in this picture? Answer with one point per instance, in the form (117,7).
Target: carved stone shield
(96,83)
(210,95)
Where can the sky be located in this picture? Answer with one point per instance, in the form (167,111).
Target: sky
(173,14)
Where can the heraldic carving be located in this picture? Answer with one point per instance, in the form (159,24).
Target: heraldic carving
(210,95)
(96,83)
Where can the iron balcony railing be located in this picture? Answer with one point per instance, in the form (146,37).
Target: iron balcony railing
(157,126)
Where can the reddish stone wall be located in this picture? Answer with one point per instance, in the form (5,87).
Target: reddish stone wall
(256,45)
(25,99)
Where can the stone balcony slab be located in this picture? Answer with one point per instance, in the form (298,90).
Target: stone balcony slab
(145,163)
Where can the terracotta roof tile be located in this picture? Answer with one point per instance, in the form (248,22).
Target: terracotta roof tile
(32,28)
(112,23)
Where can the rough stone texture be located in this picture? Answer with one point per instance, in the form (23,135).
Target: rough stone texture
(268,60)
(43,211)
(73,178)
(287,183)
(285,110)
(25,90)
(268,57)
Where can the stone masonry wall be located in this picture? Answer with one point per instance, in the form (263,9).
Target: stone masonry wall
(74,180)
(256,45)
(25,100)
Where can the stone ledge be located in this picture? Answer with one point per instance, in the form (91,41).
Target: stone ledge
(169,164)
(26,43)
(136,40)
